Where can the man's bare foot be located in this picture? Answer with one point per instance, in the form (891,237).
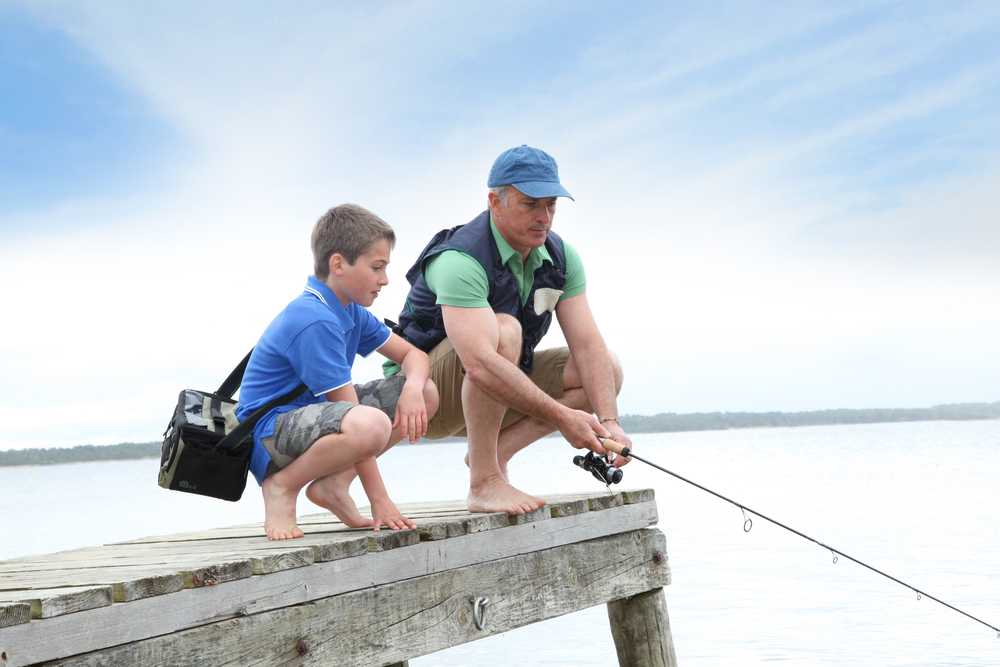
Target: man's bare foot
(332,493)
(499,496)
(279,511)
(501,463)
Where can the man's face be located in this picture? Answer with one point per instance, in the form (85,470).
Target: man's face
(525,221)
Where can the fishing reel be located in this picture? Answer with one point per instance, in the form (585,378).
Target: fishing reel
(599,467)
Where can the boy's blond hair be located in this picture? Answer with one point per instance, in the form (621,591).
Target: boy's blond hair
(349,230)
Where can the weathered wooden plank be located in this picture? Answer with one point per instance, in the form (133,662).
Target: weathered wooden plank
(569,508)
(442,530)
(477,523)
(385,540)
(457,528)
(641,630)
(213,575)
(335,550)
(403,620)
(195,564)
(148,561)
(540,514)
(14,613)
(606,501)
(310,523)
(597,501)
(147,587)
(284,560)
(204,551)
(58,601)
(110,626)
(86,576)
(127,583)
(632,496)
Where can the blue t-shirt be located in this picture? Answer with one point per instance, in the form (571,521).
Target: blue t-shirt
(313,340)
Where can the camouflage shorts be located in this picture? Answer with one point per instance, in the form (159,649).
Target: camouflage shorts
(296,431)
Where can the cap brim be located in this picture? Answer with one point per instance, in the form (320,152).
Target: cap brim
(542,189)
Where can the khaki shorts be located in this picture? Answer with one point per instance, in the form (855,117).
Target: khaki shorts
(448,374)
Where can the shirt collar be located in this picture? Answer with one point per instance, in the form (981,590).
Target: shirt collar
(535,255)
(322,291)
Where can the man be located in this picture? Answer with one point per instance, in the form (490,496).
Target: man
(482,295)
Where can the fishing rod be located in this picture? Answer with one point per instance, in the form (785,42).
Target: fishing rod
(606,473)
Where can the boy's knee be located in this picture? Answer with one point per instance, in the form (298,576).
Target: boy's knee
(511,338)
(370,430)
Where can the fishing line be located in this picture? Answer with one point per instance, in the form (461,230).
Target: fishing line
(748,524)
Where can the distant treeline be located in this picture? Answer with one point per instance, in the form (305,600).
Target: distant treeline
(664,422)
(79,454)
(712,421)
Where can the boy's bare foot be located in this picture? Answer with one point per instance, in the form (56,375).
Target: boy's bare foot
(279,511)
(332,493)
(499,496)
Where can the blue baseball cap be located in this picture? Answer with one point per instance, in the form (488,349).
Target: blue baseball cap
(532,171)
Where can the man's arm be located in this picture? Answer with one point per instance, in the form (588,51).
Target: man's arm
(475,335)
(593,362)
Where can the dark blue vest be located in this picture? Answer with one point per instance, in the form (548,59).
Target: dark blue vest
(421,322)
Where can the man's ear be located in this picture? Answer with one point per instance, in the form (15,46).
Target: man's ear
(496,206)
(336,264)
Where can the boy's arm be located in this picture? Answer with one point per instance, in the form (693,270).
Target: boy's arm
(384,512)
(411,410)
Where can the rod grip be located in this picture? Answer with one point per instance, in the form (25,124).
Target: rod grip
(615,447)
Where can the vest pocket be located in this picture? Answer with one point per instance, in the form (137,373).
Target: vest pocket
(546,299)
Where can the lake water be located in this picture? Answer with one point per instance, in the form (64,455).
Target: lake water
(918,501)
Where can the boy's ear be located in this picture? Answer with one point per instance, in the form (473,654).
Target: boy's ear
(336,264)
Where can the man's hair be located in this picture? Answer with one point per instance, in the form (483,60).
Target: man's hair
(502,191)
(350,231)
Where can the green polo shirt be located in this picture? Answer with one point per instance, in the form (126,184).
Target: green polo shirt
(458,279)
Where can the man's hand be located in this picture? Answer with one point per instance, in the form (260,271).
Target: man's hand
(581,430)
(618,435)
(411,413)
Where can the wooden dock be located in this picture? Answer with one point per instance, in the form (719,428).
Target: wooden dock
(343,596)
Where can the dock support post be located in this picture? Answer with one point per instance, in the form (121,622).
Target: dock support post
(641,630)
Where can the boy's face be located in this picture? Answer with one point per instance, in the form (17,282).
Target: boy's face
(361,282)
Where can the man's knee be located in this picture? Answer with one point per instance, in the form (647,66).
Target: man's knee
(572,379)
(431,398)
(511,338)
(616,368)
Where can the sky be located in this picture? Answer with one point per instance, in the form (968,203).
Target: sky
(780,205)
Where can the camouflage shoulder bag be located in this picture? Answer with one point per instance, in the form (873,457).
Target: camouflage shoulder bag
(206,450)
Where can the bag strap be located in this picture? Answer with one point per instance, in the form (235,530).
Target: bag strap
(235,379)
(246,426)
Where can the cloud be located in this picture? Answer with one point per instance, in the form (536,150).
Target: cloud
(782,206)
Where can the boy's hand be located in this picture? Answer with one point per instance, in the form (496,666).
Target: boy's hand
(411,413)
(384,513)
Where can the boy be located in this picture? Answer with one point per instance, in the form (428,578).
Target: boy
(334,431)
